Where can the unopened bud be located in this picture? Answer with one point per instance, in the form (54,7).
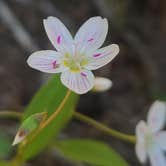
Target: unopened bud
(28,126)
(102,84)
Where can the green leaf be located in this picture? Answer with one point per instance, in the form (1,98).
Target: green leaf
(90,151)
(48,99)
(28,126)
(5,146)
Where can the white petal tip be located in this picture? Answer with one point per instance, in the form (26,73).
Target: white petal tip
(157,115)
(80,82)
(105,19)
(49,17)
(44,20)
(116,48)
(80,92)
(98,17)
(29,61)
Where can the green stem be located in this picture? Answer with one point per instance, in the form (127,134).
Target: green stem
(84,118)
(105,129)
(56,112)
(10,114)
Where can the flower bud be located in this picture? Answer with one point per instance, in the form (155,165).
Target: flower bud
(102,84)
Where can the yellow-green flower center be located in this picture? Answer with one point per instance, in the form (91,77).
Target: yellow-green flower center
(75,63)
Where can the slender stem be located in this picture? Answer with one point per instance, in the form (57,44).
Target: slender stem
(49,120)
(56,112)
(107,130)
(10,114)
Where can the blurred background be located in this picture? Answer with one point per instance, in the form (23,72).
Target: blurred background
(138,72)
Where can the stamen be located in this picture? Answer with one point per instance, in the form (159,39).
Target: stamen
(59,39)
(97,55)
(54,64)
(91,39)
(83,74)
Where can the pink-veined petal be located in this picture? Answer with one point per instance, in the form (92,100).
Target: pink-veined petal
(161,139)
(79,82)
(46,61)
(157,116)
(102,56)
(59,35)
(141,130)
(157,157)
(91,35)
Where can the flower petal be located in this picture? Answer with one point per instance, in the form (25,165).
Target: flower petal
(157,157)
(102,56)
(161,139)
(80,82)
(157,116)
(92,34)
(46,61)
(141,152)
(141,130)
(58,34)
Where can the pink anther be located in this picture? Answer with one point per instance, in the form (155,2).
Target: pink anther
(59,39)
(97,55)
(83,74)
(54,64)
(91,39)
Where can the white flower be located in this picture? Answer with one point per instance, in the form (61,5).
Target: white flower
(75,57)
(102,84)
(151,141)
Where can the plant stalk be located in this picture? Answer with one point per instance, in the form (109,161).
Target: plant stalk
(105,129)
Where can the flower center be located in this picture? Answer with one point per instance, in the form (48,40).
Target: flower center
(75,63)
